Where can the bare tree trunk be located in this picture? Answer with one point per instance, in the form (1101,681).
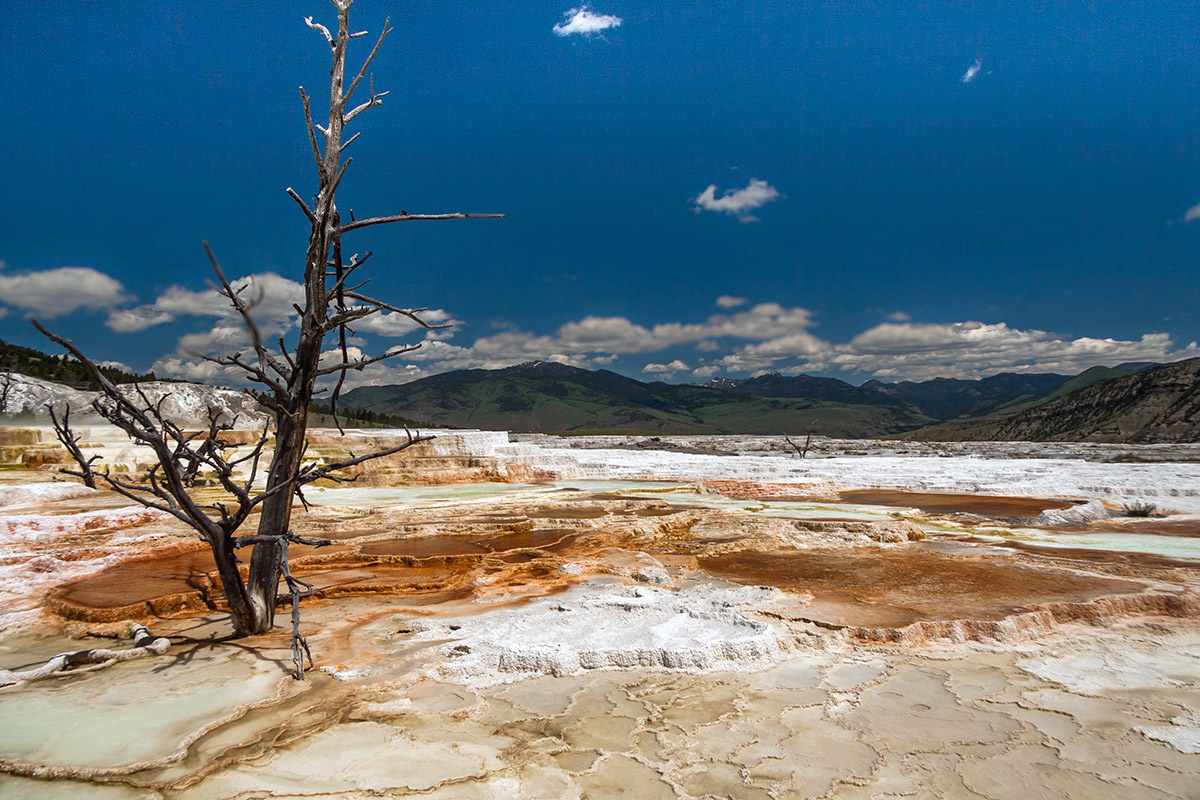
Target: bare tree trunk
(289,376)
(275,520)
(243,611)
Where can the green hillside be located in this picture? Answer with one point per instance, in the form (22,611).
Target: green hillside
(59,369)
(551,397)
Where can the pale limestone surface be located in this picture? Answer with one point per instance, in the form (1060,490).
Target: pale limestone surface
(1097,711)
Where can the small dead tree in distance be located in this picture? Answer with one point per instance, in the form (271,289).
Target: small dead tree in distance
(802,452)
(333,302)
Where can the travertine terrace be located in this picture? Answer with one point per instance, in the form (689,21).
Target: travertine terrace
(700,617)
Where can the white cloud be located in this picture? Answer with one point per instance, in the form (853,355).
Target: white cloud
(1192,214)
(972,71)
(666,370)
(121,365)
(596,341)
(898,316)
(130,320)
(54,292)
(707,371)
(583,21)
(389,323)
(729,301)
(917,351)
(272,295)
(197,371)
(737,202)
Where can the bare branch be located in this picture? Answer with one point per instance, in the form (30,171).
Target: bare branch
(376,100)
(363,223)
(366,361)
(312,218)
(387,28)
(313,473)
(411,313)
(316,26)
(70,441)
(308,121)
(144,644)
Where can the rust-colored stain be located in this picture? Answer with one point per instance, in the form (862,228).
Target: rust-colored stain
(873,587)
(933,503)
(423,569)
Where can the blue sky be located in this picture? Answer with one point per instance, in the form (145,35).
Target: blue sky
(872,213)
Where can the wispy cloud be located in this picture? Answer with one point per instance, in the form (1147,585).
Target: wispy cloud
(1192,214)
(54,292)
(729,301)
(737,202)
(583,21)
(972,71)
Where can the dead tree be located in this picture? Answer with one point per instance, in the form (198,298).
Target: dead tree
(802,452)
(333,303)
(70,440)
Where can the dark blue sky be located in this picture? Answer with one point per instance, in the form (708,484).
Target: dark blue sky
(1032,218)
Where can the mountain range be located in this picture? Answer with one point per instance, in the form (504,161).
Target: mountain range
(1147,401)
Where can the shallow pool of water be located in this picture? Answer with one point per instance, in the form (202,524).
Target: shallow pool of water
(376,497)
(685,494)
(1170,546)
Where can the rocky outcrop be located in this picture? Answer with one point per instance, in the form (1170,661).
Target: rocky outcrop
(186,404)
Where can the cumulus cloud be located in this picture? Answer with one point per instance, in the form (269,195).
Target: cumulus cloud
(583,21)
(54,292)
(666,370)
(737,202)
(765,337)
(271,294)
(972,71)
(596,341)
(920,351)
(729,301)
(131,320)
(1192,214)
(389,323)
(196,370)
(898,316)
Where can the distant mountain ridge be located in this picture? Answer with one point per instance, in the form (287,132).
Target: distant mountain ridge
(1158,405)
(548,396)
(553,397)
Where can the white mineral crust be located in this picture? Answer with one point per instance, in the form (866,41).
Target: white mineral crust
(608,626)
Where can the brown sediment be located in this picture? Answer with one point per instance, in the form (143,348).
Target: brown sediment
(875,588)
(552,540)
(423,569)
(757,490)
(424,547)
(577,512)
(141,587)
(933,503)
(657,511)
